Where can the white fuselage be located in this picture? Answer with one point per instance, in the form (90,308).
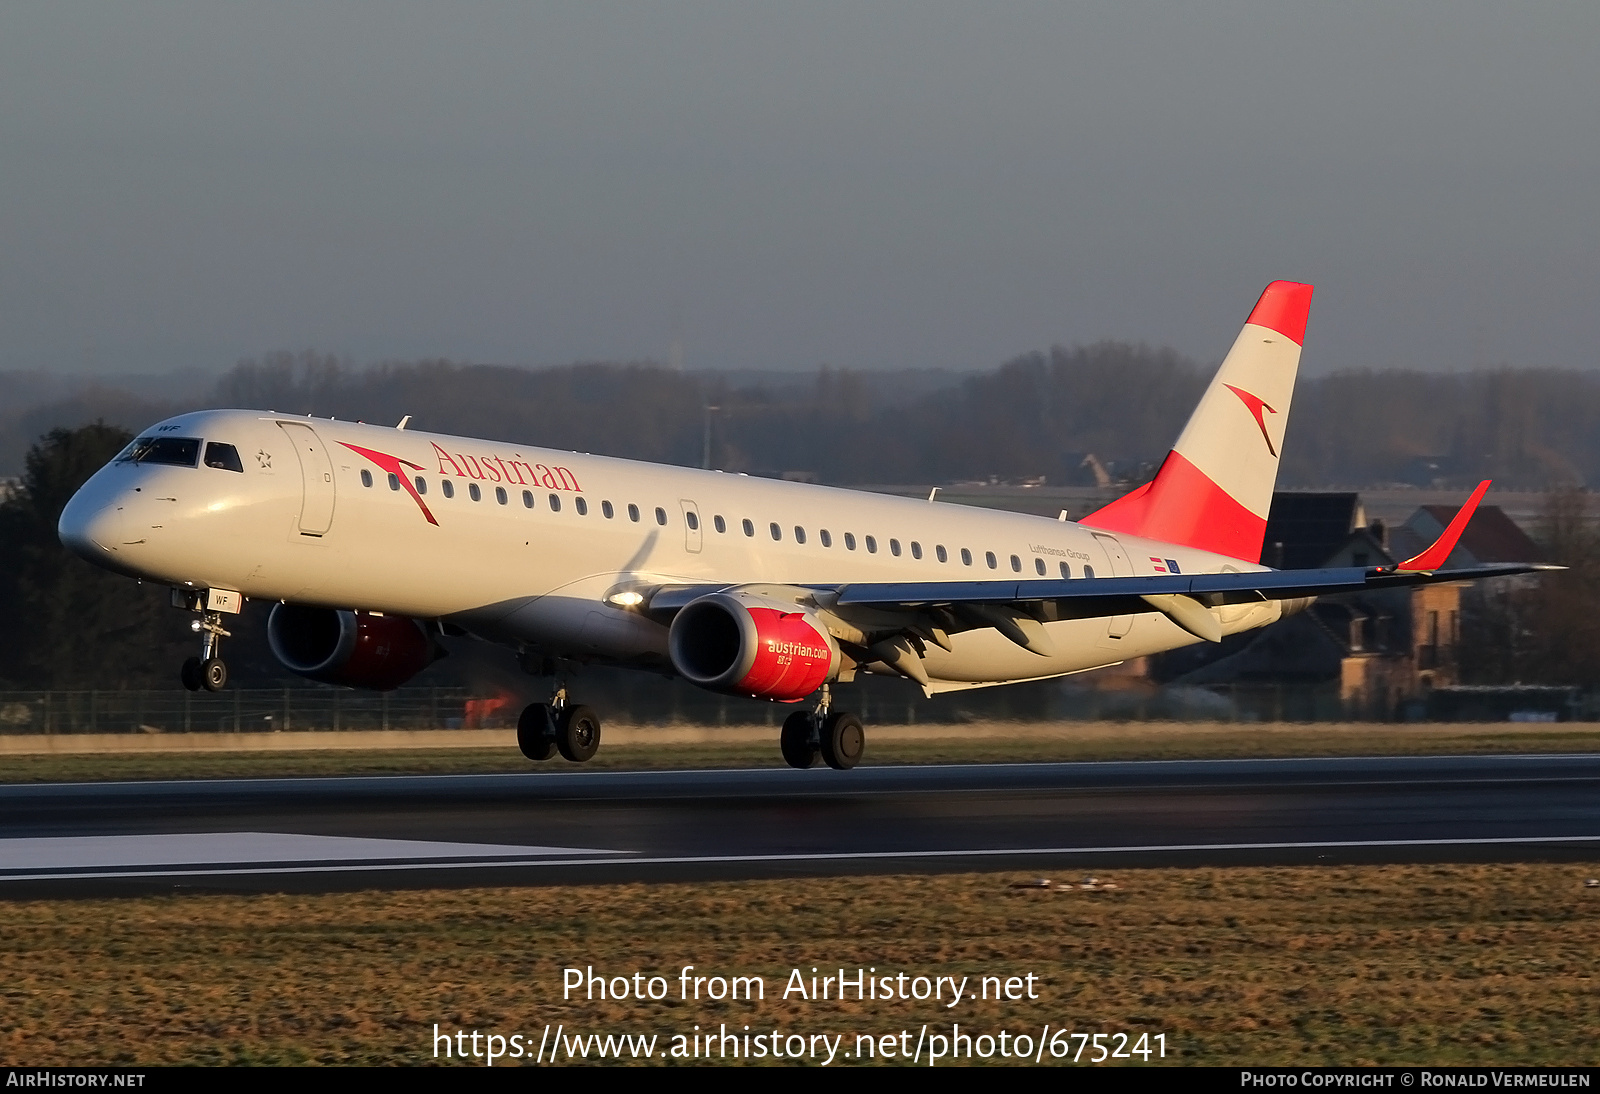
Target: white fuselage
(530,541)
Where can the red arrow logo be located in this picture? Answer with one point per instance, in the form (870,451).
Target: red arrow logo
(1256,407)
(393,465)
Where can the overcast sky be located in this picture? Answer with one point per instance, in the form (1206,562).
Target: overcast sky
(863,184)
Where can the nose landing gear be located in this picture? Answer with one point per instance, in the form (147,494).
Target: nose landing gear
(208,671)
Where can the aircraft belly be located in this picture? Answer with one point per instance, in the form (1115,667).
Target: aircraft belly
(572,624)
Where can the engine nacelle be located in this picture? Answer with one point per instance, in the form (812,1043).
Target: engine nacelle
(355,649)
(748,644)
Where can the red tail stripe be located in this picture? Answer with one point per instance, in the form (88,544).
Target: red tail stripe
(1183,506)
(1284,308)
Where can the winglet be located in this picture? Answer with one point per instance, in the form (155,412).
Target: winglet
(1433,558)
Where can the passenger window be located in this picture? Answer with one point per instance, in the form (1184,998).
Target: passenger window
(872,546)
(941,553)
(1016,564)
(718,523)
(366,477)
(394,481)
(966,557)
(527,499)
(582,505)
(799,534)
(777,533)
(692,520)
(422,485)
(224,457)
(472,491)
(606,510)
(988,556)
(633,513)
(849,541)
(1088,571)
(1038,566)
(749,529)
(448,487)
(661,516)
(894,548)
(827,540)
(500,494)
(916,549)
(555,503)
(1066,572)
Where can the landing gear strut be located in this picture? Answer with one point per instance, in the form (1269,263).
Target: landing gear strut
(837,736)
(557,726)
(208,671)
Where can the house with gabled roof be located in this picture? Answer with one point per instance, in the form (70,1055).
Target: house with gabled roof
(1492,536)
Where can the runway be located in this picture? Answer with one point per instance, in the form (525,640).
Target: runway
(565,825)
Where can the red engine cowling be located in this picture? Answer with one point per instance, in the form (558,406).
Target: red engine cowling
(752,645)
(355,649)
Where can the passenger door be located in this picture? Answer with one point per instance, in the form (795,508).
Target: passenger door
(316,474)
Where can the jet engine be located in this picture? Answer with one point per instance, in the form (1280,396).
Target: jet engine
(745,643)
(355,649)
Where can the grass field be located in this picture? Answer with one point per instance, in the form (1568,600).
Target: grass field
(985,743)
(1487,964)
(1337,965)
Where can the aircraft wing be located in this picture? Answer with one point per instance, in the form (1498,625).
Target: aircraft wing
(1115,595)
(1017,606)
(1215,589)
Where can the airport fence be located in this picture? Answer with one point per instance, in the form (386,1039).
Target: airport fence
(647,701)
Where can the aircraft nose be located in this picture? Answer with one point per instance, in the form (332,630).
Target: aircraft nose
(92,524)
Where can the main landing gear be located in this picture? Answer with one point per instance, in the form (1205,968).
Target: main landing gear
(557,726)
(837,736)
(208,671)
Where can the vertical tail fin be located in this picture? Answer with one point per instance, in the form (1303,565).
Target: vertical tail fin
(1214,490)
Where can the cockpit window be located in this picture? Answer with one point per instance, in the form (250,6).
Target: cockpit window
(224,457)
(178,451)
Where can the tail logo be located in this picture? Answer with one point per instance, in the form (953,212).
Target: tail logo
(393,465)
(1256,407)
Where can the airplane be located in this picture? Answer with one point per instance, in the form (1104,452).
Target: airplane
(375,541)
